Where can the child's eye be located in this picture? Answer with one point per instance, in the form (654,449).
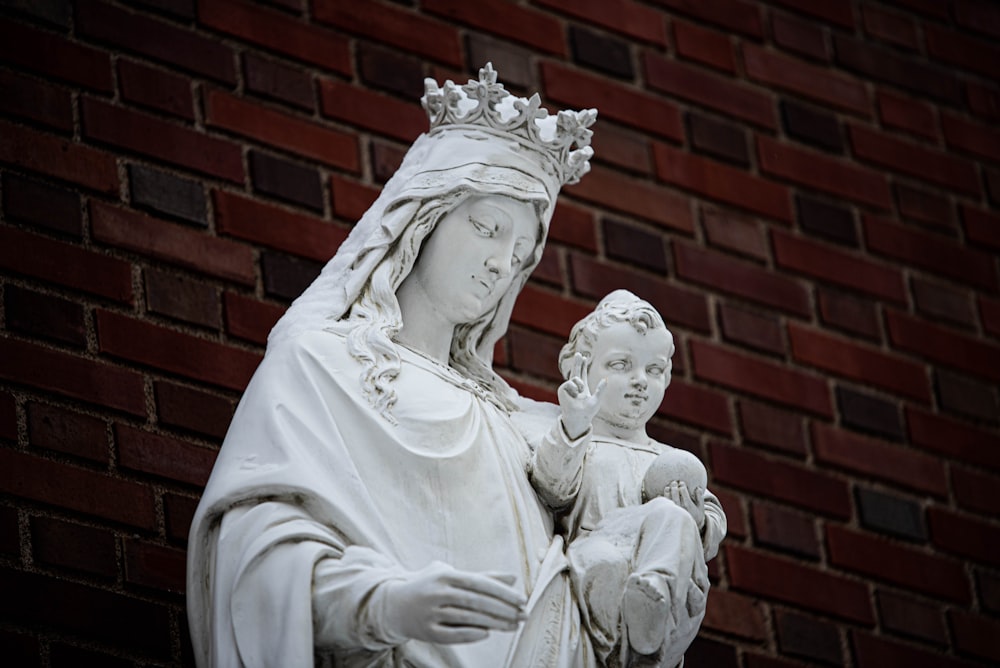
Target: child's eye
(655,371)
(618,365)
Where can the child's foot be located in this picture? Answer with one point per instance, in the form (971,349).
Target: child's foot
(646,611)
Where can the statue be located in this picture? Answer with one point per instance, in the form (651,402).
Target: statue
(642,523)
(372,503)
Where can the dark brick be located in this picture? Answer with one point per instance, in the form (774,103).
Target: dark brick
(286,180)
(785,530)
(101,616)
(601,52)
(19,649)
(181,8)
(45,316)
(179,511)
(993,186)
(56,12)
(925,207)
(828,221)
(988,586)
(182,298)
(869,414)
(513,61)
(36,102)
(890,514)
(187,408)
(632,244)
(772,427)
(811,126)
(706,652)
(386,159)
(155,566)
(718,138)
(67,431)
(278,81)
(911,617)
(156,89)
(852,314)
(808,638)
(10,534)
(966,396)
(286,276)
(391,71)
(884,64)
(42,204)
(163,192)
(61,655)
(74,546)
(751,329)
(943,302)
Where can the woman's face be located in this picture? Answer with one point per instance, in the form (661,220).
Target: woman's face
(471,258)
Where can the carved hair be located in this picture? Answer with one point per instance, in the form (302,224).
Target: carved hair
(619,306)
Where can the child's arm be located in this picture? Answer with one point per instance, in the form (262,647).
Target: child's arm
(715,526)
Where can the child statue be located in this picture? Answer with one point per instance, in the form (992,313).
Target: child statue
(643,523)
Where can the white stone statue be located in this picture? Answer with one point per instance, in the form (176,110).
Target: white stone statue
(374,502)
(642,523)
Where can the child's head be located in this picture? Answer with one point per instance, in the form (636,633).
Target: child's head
(675,464)
(625,342)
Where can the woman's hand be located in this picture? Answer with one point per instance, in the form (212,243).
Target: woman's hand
(577,403)
(440,604)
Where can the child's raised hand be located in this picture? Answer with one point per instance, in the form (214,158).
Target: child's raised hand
(578,404)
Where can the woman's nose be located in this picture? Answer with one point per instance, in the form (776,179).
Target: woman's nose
(500,263)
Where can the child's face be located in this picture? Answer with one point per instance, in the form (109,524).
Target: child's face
(637,368)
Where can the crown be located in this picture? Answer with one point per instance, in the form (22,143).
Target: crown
(563,140)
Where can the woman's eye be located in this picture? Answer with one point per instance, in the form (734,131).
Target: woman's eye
(482,228)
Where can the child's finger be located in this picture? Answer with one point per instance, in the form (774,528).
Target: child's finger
(577,365)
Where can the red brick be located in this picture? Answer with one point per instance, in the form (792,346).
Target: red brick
(976,634)
(733,506)
(964,536)
(838,12)
(182,298)
(720,139)
(716,180)
(816,83)
(149,87)
(515,22)
(757,661)
(921,163)
(161,140)
(54,56)
(162,456)
(925,207)
(979,15)
(904,566)
(697,406)
(549,268)
(911,617)
(65,160)
(906,113)
(178,511)
(879,460)
(281,130)
(713,91)
(943,345)
(849,360)
(831,175)
(277,31)
(703,45)
(534,353)
(624,16)
(371,110)
(721,272)
(975,490)
(974,138)
(400,27)
(351,199)
(982,227)
(830,264)
(931,252)
(734,233)
(961,49)
(736,15)
(45,316)
(273,226)
(624,148)
(751,329)
(891,27)
(177,244)
(885,64)
(547,311)
(42,204)
(617,101)
(983,101)
(76,489)
(857,316)
(794,583)
(644,199)
(772,427)
(71,376)
(189,408)
(989,310)
(573,225)
(155,566)
(953,438)
(34,101)
(74,547)
(875,652)
(735,614)
(172,351)
(750,471)
(802,37)
(764,379)
(677,305)
(785,530)
(156,39)
(67,431)
(249,319)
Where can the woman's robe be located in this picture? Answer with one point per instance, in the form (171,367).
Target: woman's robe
(316,499)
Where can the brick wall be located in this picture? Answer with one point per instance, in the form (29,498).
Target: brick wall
(808,190)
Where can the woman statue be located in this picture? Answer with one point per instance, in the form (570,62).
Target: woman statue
(371,504)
